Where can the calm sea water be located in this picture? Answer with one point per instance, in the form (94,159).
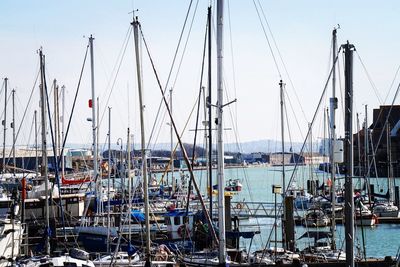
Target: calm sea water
(379,241)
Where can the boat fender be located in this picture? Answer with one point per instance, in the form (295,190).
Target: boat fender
(375,219)
(183,231)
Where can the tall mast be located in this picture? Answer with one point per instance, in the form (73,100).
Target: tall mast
(389,168)
(358,150)
(348,133)
(108,182)
(44,171)
(311,158)
(172,144)
(128,146)
(36,146)
(62,129)
(220,141)
(333,107)
(366,144)
(135,24)
(56,137)
(5,124)
(13,127)
(210,182)
(282,103)
(94,131)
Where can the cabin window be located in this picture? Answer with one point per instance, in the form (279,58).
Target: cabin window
(70,264)
(168,220)
(177,220)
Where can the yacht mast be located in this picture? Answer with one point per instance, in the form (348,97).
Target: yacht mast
(220,144)
(96,177)
(108,181)
(56,136)
(333,107)
(366,145)
(135,24)
(284,236)
(172,144)
(36,146)
(13,127)
(128,146)
(62,130)
(44,171)
(5,124)
(210,182)
(348,133)
(389,167)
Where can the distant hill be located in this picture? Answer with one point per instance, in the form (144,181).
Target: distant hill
(265,145)
(246,147)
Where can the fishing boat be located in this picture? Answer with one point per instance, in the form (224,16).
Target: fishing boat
(232,185)
(302,199)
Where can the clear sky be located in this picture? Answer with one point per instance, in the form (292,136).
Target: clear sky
(302,31)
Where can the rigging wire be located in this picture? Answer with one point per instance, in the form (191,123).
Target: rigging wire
(120,59)
(208,28)
(281,59)
(26,109)
(232,57)
(56,160)
(2,87)
(185,46)
(29,139)
(160,106)
(73,104)
(268,41)
(8,99)
(370,80)
(177,134)
(180,136)
(391,85)
(312,121)
(158,132)
(385,124)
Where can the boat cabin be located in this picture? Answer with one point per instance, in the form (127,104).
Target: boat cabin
(179,223)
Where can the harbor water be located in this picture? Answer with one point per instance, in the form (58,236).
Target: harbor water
(378,241)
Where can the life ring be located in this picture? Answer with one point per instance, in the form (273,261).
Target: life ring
(183,231)
(171,207)
(239,206)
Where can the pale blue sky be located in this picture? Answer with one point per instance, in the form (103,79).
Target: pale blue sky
(302,30)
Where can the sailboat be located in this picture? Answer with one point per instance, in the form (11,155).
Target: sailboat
(74,257)
(387,208)
(220,257)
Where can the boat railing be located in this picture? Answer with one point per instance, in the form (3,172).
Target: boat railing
(254,209)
